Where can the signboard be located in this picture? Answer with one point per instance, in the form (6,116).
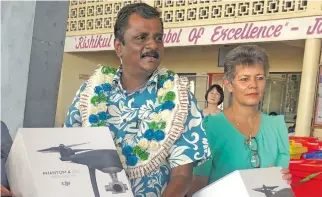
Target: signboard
(261,31)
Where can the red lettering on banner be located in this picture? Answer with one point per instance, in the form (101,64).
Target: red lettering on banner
(271,28)
(254,33)
(317,27)
(94,42)
(195,34)
(238,33)
(278,31)
(172,37)
(230,34)
(249,31)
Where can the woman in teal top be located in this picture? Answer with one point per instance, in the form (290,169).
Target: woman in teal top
(231,153)
(242,137)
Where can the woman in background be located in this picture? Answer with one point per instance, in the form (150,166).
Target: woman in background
(241,137)
(214,97)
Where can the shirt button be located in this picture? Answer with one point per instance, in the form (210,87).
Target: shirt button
(124,120)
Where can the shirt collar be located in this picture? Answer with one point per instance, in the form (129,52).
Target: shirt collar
(152,81)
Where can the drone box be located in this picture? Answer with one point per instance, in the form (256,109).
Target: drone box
(66,162)
(260,182)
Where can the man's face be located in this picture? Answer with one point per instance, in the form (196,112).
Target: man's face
(143,46)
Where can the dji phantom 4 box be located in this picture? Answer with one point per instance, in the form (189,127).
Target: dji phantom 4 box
(66,162)
(260,182)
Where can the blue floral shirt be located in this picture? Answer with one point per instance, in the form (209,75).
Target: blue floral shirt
(125,114)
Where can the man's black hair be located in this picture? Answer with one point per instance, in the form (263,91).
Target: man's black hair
(142,9)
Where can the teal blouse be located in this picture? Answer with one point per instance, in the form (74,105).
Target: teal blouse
(229,152)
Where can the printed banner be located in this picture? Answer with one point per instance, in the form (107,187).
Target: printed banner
(262,31)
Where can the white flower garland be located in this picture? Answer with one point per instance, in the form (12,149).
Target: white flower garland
(167,124)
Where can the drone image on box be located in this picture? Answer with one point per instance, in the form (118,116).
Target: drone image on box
(104,160)
(270,192)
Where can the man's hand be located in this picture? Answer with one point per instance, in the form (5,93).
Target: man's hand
(180,180)
(198,182)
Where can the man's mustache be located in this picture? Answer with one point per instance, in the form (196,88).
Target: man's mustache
(153,54)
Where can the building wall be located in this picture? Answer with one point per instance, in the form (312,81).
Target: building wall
(33,35)
(15,58)
(283,58)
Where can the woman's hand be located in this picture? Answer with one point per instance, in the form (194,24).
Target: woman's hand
(287,175)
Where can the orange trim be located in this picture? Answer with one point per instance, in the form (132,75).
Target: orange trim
(317,126)
(220,73)
(210,76)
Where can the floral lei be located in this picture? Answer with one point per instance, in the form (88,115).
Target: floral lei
(155,134)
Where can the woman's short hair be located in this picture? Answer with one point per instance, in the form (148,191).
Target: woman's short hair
(247,55)
(219,90)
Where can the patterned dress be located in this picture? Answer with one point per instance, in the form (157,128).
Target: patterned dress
(131,116)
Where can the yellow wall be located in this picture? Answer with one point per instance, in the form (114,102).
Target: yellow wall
(283,58)
(74,65)
(317,132)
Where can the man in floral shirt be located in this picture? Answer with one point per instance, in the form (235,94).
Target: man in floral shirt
(153,118)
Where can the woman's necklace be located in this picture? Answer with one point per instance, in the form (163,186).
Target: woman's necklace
(248,140)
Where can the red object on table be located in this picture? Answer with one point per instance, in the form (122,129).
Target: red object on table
(302,169)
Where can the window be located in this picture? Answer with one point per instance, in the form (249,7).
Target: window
(281,94)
